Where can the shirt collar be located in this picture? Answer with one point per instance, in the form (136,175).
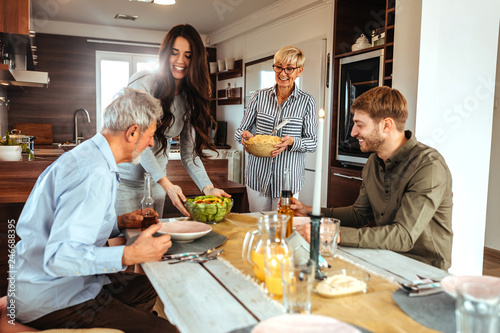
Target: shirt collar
(102,144)
(294,93)
(402,152)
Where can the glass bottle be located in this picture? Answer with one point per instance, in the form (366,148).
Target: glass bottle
(147,204)
(286,195)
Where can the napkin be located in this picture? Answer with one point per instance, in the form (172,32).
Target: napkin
(301,249)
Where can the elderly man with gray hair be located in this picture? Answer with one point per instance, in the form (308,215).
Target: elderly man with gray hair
(66,276)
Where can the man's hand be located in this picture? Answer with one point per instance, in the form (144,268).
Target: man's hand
(211,190)
(299,209)
(286,141)
(130,220)
(146,247)
(305,231)
(175,194)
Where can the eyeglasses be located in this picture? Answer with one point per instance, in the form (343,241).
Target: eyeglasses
(288,70)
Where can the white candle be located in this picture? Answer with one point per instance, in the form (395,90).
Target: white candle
(319,162)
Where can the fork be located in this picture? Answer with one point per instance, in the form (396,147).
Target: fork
(210,256)
(186,256)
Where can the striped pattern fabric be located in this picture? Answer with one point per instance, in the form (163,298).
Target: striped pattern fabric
(265,174)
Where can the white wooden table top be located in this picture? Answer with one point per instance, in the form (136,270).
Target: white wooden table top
(212,297)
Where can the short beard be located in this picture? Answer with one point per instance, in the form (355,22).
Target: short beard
(136,155)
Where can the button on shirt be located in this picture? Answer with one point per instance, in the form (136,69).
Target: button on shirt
(409,197)
(61,257)
(265,174)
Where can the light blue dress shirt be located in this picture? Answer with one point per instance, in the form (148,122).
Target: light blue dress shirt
(61,258)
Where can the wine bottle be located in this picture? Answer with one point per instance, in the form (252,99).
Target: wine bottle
(286,195)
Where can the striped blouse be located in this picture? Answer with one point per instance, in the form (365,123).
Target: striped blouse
(265,174)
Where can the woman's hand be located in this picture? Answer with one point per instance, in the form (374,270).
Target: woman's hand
(175,194)
(286,141)
(211,190)
(245,136)
(299,209)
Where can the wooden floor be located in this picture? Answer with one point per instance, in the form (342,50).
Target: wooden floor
(491,262)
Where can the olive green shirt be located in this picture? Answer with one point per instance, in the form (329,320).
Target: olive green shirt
(409,200)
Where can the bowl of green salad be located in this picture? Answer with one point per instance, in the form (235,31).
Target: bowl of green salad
(208,208)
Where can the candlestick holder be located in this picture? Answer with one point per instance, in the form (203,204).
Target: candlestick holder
(314,251)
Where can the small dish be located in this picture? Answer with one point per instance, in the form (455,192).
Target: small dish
(343,282)
(295,323)
(450,282)
(183,231)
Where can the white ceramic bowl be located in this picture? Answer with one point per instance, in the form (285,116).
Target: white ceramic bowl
(184,231)
(10,153)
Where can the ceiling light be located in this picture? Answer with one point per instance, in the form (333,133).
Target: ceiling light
(158,2)
(164,2)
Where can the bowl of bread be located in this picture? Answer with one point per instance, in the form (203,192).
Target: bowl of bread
(262,145)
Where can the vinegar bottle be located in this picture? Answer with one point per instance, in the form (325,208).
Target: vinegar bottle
(147,204)
(286,194)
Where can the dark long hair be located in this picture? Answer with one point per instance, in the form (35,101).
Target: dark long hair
(195,86)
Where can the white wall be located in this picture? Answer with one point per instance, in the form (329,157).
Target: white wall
(3,113)
(493,212)
(458,57)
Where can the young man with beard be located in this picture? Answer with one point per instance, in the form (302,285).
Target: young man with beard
(66,276)
(405,200)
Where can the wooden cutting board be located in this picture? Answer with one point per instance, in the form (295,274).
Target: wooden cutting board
(43,132)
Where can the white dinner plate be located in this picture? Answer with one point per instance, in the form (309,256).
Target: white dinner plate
(295,323)
(184,231)
(450,282)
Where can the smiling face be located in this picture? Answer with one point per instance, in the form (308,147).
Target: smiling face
(284,80)
(368,132)
(180,58)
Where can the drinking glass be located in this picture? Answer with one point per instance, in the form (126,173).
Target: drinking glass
(477,308)
(328,234)
(297,280)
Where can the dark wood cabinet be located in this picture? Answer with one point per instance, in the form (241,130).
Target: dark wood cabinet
(15,17)
(230,95)
(343,186)
(351,19)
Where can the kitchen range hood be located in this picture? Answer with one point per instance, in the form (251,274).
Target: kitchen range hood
(24,78)
(19,60)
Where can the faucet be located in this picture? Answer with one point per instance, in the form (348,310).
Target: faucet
(79,138)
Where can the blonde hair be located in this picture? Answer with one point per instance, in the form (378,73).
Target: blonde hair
(290,54)
(383,102)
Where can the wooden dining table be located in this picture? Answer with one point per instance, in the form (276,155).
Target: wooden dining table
(223,295)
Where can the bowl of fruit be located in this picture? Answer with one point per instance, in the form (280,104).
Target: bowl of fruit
(208,208)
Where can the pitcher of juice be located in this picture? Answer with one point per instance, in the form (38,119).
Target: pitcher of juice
(265,247)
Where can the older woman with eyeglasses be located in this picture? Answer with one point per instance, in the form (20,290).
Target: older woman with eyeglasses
(266,109)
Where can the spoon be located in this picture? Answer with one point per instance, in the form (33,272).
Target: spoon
(280,125)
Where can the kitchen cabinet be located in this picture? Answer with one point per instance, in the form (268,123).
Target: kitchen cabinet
(351,19)
(15,17)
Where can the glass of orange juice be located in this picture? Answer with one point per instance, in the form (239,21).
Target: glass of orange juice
(273,255)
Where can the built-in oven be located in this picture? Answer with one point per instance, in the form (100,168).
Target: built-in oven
(358,74)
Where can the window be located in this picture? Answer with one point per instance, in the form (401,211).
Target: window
(113,69)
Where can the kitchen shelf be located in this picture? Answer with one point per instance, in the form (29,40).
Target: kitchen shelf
(368,49)
(235,98)
(231,74)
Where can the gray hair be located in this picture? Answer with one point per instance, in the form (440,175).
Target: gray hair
(131,107)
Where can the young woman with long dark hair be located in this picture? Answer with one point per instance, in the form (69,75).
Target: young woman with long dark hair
(182,84)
